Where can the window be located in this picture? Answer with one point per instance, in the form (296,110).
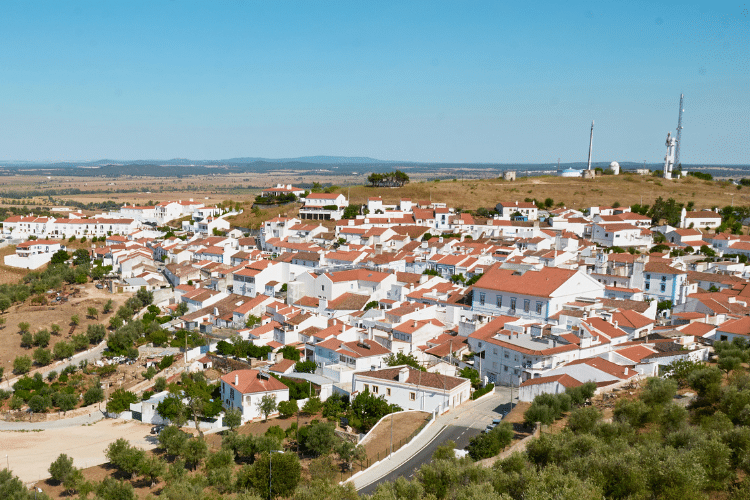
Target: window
(374,389)
(481,298)
(506,354)
(648,276)
(367,387)
(663,287)
(494,351)
(322,288)
(512,303)
(387,391)
(499,300)
(538,307)
(505,368)
(412,396)
(648,285)
(526,305)
(664,278)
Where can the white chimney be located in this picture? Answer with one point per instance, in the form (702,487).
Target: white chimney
(415,324)
(236,379)
(626,370)
(403,374)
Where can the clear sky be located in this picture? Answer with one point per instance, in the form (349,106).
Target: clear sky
(461,81)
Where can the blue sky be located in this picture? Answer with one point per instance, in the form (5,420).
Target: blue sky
(467,81)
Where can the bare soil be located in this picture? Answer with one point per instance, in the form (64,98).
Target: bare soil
(41,317)
(378,444)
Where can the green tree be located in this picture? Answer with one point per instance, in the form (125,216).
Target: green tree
(41,338)
(61,468)
(23,326)
(489,444)
(288,408)
(59,257)
(584,420)
(319,438)
(80,342)
(27,340)
(400,358)
(305,367)
(93,395)
(75,320)
(125,457)
(5,304)
(312,406)
(55,328)
(63,350)
(348,452)
(172,439)
(368,409)
(290,352)
(21,365)
(233,418)
(160,384)
(92,313)
(194,451)
(112,489)
(107,307)
(173,409)
(42,356)
(267,405)
(120,401)
(152,468)
(285,473)
(39,403)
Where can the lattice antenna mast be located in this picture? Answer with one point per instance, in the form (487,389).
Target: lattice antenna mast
(679,133)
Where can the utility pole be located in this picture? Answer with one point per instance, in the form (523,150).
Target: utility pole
(391,434)
(591,143)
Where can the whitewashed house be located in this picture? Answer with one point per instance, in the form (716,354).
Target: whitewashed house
(412,389)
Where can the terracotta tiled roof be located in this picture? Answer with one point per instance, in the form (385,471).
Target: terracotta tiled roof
(416,377)
(251,382)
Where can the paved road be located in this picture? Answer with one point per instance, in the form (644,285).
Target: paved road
(459,425)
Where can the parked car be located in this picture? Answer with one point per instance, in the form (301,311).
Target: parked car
(157,429)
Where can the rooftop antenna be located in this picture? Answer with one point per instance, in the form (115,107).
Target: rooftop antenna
(679,133)
(591,143)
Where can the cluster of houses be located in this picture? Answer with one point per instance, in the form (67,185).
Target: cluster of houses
(532,299)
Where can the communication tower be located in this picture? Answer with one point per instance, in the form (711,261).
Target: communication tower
(679,134)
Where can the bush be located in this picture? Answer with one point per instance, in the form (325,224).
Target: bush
(288,408)
(61,468)
(584,420)
(42,356)
(489,444)
(484,390)
(93,395)
(21,365)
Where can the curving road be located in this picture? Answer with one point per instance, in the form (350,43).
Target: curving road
(458,425)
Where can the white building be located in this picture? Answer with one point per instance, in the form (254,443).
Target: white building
(323,206)
(244,389)
(412,389)
(533,294)
(527,209)
(700,219)
(33,254)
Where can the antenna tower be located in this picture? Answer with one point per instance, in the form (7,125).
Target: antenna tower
(679,134)
(591,143)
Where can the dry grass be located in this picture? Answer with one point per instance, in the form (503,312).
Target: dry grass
(467,194)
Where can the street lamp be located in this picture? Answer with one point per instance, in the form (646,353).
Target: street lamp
(269,470)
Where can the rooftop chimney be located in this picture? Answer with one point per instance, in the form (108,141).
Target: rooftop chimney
(236,379)
(403,374)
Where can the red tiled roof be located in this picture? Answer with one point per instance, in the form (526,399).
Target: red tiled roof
(251,382)
(565,380)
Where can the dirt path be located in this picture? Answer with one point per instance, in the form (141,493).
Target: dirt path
(30,453)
